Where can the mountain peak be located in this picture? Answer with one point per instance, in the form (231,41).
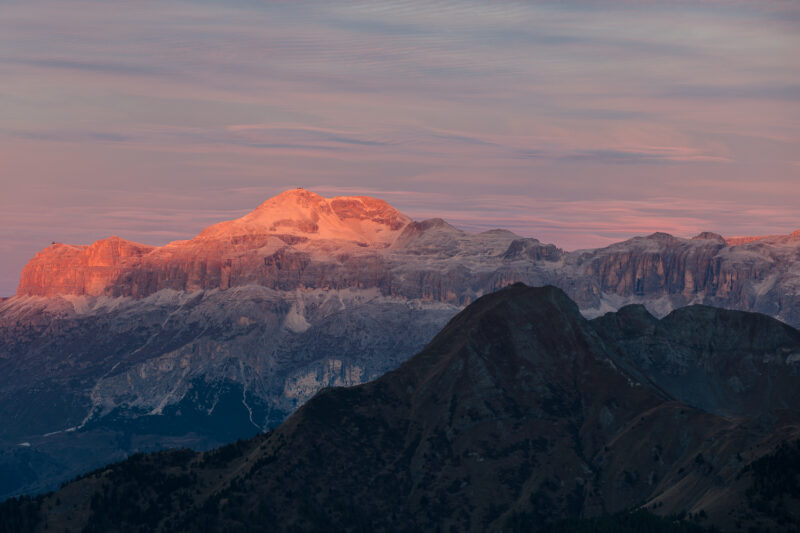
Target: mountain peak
(546,311)
(660,236)
(300,197)
(305,213)
(709,236)
(741,240)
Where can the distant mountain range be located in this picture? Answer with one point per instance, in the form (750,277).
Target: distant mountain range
(519,414)
(120,347)
(300,240)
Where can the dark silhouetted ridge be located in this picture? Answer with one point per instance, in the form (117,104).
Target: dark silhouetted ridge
(518,415)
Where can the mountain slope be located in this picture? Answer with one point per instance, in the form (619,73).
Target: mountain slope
(730,363)
(119,347)
(176,369)
(515,415)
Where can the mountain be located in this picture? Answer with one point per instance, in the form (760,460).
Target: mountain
(119,347)
(300,240)
(730,363)
(238,252)
(518,414)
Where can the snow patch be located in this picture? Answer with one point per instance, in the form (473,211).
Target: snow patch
(170,395)
(295,321)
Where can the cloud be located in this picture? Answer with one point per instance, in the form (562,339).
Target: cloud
(97,67)
(782,92)
(413,143)
(75,136)
(603,114)
(654,155)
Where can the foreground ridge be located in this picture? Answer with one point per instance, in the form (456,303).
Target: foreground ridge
(518,414)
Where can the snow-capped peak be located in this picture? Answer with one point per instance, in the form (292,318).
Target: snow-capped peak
(304,213)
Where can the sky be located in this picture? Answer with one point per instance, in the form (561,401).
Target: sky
(580,123)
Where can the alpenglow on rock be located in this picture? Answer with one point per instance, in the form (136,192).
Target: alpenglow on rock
(300,240)
(118,346)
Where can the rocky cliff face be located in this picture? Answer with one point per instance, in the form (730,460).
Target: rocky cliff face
(664,272)
(228,332)
(234,253)
(729,363)
(79,270)
(519,413)
(86,381)
(300,240)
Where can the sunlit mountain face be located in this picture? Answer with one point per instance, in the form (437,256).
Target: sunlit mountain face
(300,240)
(222,253)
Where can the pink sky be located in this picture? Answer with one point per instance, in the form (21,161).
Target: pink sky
(579,123)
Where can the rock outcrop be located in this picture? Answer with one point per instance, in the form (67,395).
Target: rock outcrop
(63,269)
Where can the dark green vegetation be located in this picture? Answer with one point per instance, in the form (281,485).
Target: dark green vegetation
(520,415)
(776,485)
(20,514)
(777,474)
(638,521)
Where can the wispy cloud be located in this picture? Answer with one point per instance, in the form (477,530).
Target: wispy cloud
(764,91)
(97,67)
(413,143)
(646,155)
(73,136)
